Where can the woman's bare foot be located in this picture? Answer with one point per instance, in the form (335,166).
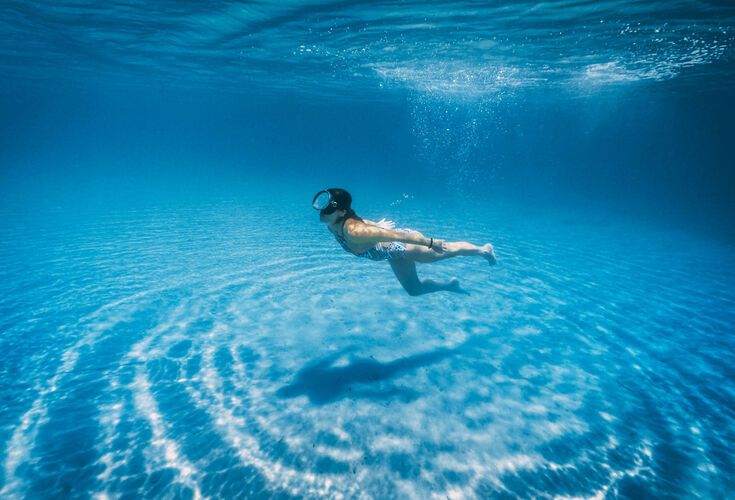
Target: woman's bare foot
(489,253)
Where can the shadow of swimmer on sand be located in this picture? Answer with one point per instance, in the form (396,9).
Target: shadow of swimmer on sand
(323,383)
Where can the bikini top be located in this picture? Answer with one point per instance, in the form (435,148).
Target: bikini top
(342,241)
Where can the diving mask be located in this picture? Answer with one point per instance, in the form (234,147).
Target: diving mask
(324,202)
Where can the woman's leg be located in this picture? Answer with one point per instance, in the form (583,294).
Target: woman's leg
(405,271)
(423,254)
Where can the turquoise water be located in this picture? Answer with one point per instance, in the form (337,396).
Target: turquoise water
(177,323)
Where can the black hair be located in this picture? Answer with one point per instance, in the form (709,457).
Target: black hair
(344,202)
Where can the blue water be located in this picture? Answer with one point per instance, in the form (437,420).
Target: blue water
(175,322)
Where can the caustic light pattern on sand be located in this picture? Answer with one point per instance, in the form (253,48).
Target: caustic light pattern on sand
(566,371)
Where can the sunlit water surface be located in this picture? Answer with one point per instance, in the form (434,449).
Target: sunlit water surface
(461,48)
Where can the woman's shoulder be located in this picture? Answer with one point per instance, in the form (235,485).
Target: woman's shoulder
(353,226)
(353,223)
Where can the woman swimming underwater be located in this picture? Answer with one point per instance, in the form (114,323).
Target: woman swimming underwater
(402,248)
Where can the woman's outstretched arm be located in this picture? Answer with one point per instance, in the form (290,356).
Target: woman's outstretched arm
(364,234)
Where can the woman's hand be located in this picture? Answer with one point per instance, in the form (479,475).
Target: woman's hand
(439,246)
(385,224)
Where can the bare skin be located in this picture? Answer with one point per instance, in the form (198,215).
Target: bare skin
(362,235)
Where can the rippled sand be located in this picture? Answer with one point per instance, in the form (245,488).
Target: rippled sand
(217,351)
